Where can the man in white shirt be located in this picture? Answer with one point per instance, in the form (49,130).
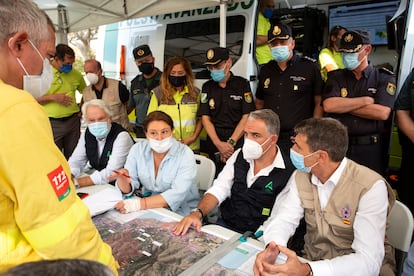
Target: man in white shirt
(246,197)
(345,206)
(104,144)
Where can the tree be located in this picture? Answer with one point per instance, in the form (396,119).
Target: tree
(82,41)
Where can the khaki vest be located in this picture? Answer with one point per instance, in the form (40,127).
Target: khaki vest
(329,232)
(110,95)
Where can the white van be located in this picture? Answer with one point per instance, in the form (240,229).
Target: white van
(187,33)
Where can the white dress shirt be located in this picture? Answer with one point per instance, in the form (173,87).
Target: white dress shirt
(120,150)
(369,226)
(221,188)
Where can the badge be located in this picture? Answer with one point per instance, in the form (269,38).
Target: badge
(349,38)
(210,54)
(140,52)
(269,187)
(248,97)
(265,211)
(203,98)
(276,30)
(60,182)
(391,89)
(346,214)
(266,83)
(344,92)
(211,103)
(295,87)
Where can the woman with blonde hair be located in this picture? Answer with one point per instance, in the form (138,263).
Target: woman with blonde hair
(178,97)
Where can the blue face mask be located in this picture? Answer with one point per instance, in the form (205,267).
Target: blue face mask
(66,68)
(350,60)
(268,13)
(280,53)
(298,160)
(99,129)
(217,75)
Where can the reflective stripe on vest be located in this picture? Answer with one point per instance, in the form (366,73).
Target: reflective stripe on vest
(58,229)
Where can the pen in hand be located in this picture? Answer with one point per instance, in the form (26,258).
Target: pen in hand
(121,173)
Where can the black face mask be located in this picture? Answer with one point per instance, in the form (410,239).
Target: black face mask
(177,81)
(146,68)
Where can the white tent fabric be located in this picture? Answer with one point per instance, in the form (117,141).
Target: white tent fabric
(78,15)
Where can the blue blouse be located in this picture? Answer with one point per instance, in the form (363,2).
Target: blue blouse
(176,178)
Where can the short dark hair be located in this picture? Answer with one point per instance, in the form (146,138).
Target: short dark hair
(157,116)
(62,50)
(326,134)
(64,267)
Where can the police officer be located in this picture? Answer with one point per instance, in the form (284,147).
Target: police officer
(142,85)
(289,85)
(226,101)
(404,117)
(361,97)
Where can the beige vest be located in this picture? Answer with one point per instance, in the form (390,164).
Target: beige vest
(110,95)
(329,232)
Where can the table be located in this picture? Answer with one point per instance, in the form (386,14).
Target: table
(143,244)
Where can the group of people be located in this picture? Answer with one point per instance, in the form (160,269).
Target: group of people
(257,143)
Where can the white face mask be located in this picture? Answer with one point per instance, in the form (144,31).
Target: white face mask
(161,146)
(37,85)
(92,78)
(253,150)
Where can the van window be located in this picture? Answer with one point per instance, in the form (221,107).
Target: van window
(192,39)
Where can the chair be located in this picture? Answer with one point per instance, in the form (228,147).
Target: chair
(400,232)
(206,170)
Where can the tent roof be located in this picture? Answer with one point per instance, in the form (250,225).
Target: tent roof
(82,14)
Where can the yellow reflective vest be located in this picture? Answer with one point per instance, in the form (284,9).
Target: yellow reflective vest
(41,217)
(183,111)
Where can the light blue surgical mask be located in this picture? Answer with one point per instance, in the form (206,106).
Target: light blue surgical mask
(217,75)
(350,60)
(280,53)
(298,160)
(268,13)
(99,129)
(66,68)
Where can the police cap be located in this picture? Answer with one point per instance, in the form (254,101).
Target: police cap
(141,51)
(216,55)
(279,31)
(352,41)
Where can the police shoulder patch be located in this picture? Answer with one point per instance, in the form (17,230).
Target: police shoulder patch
(203,97)
(391,88)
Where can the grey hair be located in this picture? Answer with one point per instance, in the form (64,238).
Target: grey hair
(23,16)
(269,117)
(64,267)
(326,134)
(99,103)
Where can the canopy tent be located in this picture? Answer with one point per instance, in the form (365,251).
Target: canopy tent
(75,15)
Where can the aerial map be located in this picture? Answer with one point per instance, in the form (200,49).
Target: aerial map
(146,245)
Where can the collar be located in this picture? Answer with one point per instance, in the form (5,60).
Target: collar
(334,178)
(367,71)
(105,85)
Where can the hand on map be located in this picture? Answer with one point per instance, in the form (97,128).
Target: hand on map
(128,205)
(267,256)
(265,262)
(193,219)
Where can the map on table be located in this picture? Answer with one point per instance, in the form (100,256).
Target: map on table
(145,245)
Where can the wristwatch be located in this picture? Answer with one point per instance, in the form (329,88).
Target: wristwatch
(231,142)
(197,210)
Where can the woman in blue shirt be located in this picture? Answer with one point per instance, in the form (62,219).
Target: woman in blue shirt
(162,167)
